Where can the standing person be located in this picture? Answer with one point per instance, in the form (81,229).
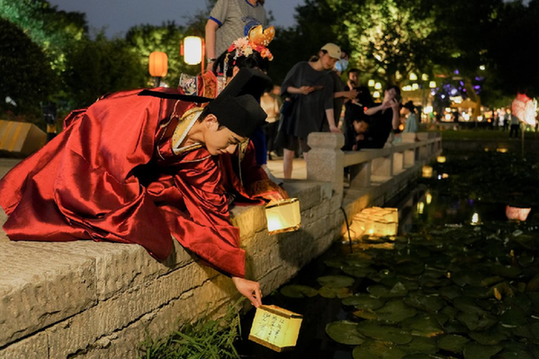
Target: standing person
(161,182)
(411,123)
(342,93)
(271,104)
(355,109)
(311,89)
(515,125)
(230,20)
(384,117)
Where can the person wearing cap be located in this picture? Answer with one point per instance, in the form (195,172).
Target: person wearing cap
(141,166)
(310,88)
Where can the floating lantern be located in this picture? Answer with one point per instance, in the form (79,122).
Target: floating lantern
(158,64)
(275,328)
(376,221)
(428,198)
(475,219)
(427,171)
(501,150)
(517,213)
(445,175)
(441,159)
(420,207)
(283,216)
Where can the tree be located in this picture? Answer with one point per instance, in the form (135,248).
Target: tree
(95,68)
(25,74)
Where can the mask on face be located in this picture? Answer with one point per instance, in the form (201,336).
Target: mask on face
(341,65)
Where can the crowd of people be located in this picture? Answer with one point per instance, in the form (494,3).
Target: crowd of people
(188,154)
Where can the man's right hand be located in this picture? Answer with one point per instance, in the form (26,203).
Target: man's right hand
(249,289)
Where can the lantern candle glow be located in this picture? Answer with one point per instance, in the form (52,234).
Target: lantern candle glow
(192,50)
(283,216)
(275,328)
(158,64)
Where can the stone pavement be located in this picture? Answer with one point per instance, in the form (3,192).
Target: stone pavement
(299,170)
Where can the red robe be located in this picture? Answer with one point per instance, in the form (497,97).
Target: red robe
(111,175)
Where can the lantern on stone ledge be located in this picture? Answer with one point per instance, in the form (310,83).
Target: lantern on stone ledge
(426,171)
(283,216)
(275,328)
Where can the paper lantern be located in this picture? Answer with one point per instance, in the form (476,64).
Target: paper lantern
(377,86)
(424,77)
(475,219)
(275,328)
(158,64)
(371,83)
(376,221)
(413,77)
(432,84)
(192,50)
(428,198)
(517,213)
(283,216)
(440,159)
(376,94)
(426,171)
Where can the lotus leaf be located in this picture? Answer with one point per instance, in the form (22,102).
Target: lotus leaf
(335,262)
(531,332)
(395,311)
(476,322)
(526,259)
(420,345)
(514,350)
(377,350)
(478,351)
(513,317)
(407,283)
(410,267)
(468,305)
(450,292)
(490,337)
(358,261)
(365,314)
(335,281)
(298,291)
(453,343)
(428,303)
(491,280)
(423,326)
(345,332)
(358,272)
(455,327)
(511,272)
(450,311)
(382,291)
(384,332)
(330,292)
(533,284)
(477,292)
(364,301)
(464,277)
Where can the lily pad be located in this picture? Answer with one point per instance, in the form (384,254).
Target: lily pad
(345,332)
(423,326)
(450,292)
(329,292)
(407,283)
(512,350)
(377,350)
(428,303)
(410,267)
(464,277)
(395,311)
(298,291)
(489,337)
(365,314)
(514,317)
(453,343)
(420,345)
(384,332)
(364,301)
(511,272)
(382,291)
(335,262)
(478,351)
(335,281)
(476,322)
(358,272)
(468,305)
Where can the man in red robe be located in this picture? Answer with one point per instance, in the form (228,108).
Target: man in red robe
(140,167)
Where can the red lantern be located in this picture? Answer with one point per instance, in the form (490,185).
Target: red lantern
(158,64)
(516,213)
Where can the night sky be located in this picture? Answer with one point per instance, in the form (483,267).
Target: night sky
(117,17)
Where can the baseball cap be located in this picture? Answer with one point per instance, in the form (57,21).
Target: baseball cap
(333,50)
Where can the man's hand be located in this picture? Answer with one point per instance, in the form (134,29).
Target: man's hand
(249,289)
(334,129)
(305,90)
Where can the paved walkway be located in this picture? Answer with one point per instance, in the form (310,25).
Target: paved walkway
(299,170)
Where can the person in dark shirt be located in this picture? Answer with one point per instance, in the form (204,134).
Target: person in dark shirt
(384,117)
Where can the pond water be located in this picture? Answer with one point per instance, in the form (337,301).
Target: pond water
(443,288)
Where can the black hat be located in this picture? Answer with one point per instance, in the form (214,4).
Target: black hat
(241,114)
(409,105)
(247,81)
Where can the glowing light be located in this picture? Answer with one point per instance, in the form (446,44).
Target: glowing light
(413,77)
(371,83)
(407,88)
(445,175)
(475,219)
(158,64)
(432,84)
(376,94)
(428,198)
(441,159)
(426,171)
(378,86)
(482,67)
(283,216)
(427,109)
(420,207)
(415,86)
(516,213)
(479,118)
(192,47)
(502,150)
(275,328)
(424,77)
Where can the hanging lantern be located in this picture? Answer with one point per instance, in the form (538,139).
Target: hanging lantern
(424,77)
(378,86)
(413,77)
(517,213)
(475,219)
(376,94)
(283,216)
(158,64)
(432,84)
(371,83)
(192,50)
(415,86)
(441,159)
(275,328)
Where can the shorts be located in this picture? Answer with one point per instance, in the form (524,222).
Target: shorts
(292,142)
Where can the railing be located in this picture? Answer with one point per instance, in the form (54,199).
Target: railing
(326,161)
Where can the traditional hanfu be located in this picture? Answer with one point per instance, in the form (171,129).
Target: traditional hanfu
(118,173)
